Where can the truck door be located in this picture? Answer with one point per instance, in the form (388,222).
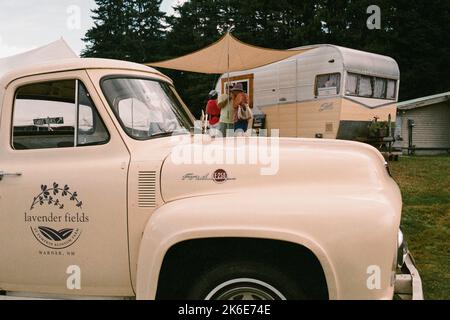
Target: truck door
(63,194)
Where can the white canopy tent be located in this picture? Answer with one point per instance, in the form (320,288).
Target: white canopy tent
(54,51)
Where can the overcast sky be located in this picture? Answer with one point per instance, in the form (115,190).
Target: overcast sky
(27,24)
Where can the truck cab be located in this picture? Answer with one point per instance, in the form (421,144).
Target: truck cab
(101,195)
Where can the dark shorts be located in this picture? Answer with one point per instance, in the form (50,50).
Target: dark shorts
(241,125)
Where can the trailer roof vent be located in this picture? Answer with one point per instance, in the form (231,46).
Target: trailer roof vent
(147,189)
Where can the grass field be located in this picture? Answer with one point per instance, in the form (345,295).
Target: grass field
(425,185)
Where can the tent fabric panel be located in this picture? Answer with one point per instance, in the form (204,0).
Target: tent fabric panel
(228,54)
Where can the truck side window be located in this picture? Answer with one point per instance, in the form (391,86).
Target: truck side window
(51,115)
(91,129)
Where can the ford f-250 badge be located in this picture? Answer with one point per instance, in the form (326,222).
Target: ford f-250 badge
(218,176)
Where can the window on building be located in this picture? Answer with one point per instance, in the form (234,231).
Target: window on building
(51,115)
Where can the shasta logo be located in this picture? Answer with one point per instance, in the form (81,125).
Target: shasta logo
(326,106)
(56,216)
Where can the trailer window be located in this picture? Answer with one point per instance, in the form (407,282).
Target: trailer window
(352,84)
(328,84)
(247,84)
(391,89)
(370,86)
(365,86)
(379,88)
(52,115)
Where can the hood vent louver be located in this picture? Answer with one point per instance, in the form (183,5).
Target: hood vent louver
(147,189)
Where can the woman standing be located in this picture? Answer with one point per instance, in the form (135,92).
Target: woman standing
(242,114)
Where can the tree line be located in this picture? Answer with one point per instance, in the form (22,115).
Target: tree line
(415,33)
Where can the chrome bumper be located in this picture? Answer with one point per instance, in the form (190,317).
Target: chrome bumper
(408,285)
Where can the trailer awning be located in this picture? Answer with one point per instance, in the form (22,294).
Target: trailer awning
(228,54)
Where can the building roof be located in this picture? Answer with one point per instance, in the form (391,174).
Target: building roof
(423,101)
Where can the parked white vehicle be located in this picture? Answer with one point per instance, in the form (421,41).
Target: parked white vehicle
(94,204)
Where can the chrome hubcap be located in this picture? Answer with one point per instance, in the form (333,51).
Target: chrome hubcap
(245,289)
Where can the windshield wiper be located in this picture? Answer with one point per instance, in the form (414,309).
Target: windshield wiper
(162,134)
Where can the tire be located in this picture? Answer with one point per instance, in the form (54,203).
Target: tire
(245,281)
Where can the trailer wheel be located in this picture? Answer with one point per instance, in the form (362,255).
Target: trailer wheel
(245,281)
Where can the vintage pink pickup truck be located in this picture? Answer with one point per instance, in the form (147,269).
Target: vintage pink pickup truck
(99,199)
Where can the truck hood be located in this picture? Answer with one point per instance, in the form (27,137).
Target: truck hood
(202,166)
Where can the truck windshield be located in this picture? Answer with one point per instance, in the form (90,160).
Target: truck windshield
(146,108)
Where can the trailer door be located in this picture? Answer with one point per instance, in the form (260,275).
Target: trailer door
(287,98)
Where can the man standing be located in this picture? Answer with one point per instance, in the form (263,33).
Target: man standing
(225,103)
(213,112)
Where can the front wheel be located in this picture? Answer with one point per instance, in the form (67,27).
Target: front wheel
(245,281)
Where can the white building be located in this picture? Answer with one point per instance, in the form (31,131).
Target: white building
(424,124)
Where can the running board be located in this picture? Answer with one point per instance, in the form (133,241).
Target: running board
(9,295)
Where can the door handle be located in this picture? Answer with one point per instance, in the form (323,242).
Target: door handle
(5,174)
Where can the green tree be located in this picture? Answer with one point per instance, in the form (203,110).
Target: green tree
(149,29)
(126,29)
(194,25)
(420,43)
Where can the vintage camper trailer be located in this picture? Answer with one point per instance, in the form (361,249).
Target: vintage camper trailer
(327,91)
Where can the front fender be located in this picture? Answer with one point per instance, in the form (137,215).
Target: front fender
(317,225)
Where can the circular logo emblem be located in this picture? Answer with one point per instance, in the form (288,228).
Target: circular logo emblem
(220,176)
(56,216)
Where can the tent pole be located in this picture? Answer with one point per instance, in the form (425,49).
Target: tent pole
(228,68)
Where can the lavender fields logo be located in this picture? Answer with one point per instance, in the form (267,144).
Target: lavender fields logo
(55,216)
